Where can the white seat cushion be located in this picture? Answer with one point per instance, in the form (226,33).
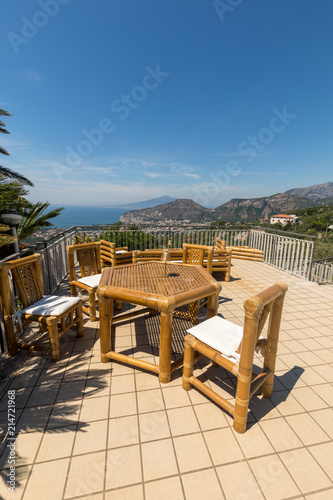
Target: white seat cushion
(219,334)
(121,251)
(49,305)
(92,281)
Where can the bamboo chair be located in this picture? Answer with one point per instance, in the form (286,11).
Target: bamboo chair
(221,261)
(232,347)
(200,255)
(89,257)
(53,313)
(112,256)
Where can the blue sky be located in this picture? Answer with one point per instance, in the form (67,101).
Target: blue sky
(120,101)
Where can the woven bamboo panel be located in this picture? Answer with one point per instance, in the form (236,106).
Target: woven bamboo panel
(147,277)
(88,261)
(28,277)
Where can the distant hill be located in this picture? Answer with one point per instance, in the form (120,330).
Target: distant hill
(240,209)
(235,210)
(175,210)
(146,203)
(317,191)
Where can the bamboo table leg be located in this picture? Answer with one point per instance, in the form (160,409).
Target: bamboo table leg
(165,347)
(105,320)
(212,305)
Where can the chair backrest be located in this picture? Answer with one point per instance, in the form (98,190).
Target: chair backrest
(114,256)
(220,244)
(201,255)
(257,309)
(27,275)
(156,254)
(89,257)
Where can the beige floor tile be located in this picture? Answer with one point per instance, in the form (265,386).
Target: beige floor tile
(325,419)
(26,446)
(164,489)
(64,414)
(280,434)
(325,392)
(202,484)
(97,387)
(122,405)
(56,444)
(238,482)
(253,442)
(91,437)
(154,426)
(305,471)
(94,409)
(188,459)
(158,459)
(286,403)
(263,408)
(129,493)
(47,480)
(175,397)
(326,355)
(21,478)
(230,451)
(123,431)
(183,421)
(21,397)
(307,429)
(308,399)
(321,495)
(93,496)
(273,478)
(123,467)
(86,475)
(323,453)
(326,371)
(121,369)
(71,391)
(150,401)
(210,416)
(146,381)
(33,419)
(43,395)
(122,384)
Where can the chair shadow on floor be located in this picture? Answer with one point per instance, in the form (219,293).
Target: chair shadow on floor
(225,384)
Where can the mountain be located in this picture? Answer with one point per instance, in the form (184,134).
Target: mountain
(175,210)
(239,209)
(235,210)
(146,204)
(317,191)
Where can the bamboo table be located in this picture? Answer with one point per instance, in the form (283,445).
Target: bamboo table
(144,284)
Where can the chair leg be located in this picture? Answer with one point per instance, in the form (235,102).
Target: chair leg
(92,305)
(241,405)
(52,326)
(188,363)
(79,317)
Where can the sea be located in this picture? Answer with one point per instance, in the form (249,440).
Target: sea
(85,216)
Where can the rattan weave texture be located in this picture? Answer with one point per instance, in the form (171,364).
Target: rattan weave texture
(147,277)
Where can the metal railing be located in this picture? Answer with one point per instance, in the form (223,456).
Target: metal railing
(322,271)
(289,252)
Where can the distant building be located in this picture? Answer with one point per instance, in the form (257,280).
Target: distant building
(283,219)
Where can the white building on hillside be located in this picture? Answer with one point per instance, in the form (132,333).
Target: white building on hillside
(283,219)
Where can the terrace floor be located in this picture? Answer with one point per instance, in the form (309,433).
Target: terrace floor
(99,431)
